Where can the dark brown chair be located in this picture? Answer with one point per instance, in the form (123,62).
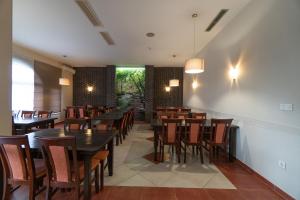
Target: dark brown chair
(44,114)
(170,135)
(74,125)
(27,114)
(70,112)
(199,115)
(184,110)
(181,115)
(81,112)
(104,125)
(194,129)
(20,168)
(218,138)
(63,169)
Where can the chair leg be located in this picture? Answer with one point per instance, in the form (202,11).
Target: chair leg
(77,192)
(31,191)
(48,192)
(102,175)
(184,159)
(201,154)
(97,179)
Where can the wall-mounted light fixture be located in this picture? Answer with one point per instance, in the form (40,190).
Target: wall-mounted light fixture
(234,73)
(90,88)
(195,84)
(168,88)
(174,83)
(64,81)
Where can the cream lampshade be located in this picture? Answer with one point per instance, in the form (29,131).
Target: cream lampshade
(194,66)
(174,83)
(64,81)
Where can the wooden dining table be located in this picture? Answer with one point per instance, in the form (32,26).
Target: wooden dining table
(88,143)
(25,124)
(157,127)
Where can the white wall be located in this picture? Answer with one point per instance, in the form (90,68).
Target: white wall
(5,66)
(265,39)
(67,93)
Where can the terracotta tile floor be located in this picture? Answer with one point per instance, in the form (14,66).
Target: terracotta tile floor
(249,187)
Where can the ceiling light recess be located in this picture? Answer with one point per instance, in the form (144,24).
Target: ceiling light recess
(90,13)
(150,34)
(216,19)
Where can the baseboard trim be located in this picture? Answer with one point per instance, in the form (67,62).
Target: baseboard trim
(273,187)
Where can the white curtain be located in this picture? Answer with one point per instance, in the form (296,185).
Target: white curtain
(22,84)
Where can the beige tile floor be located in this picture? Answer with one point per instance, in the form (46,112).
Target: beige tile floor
(131,169)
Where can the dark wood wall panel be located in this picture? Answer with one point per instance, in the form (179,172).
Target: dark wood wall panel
(89,76)
(162,75)
(47,91)
(110,85)
(149,92)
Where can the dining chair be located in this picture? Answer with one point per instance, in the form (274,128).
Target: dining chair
(44,114)
(81,112)
(163,115)
(218,137)
(64,171)
(199,115)
(193,132)
(184,110)
(170,136)
(73,125)
(104,125)
(70,112)
(27,114)
(19,166)
(181,115)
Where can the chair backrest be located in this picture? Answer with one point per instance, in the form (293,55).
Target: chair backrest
(70,112)
(220,129)
(44,114)
(57,159)
(184,110)
(105,125)
(162,115)
(74,125)
(194,129)
(16,157)
(169,129)
(27,114)
(181,115)
(199,115)
(81,112)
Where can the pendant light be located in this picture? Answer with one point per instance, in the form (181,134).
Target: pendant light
(194,65)
(174,82)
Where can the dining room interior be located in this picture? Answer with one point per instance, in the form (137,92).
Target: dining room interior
(136,99)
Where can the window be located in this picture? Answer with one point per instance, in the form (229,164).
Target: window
(22,84)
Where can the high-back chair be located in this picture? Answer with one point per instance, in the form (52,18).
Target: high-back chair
(170,136)
(181,115)
(193,132)
(63,168)
(218,139)
(27,114)
(104,125)
(163,115)
(73,125)
(19,166)
(184,110)
(199,115)
(44,114)
(70,112)
(81,112)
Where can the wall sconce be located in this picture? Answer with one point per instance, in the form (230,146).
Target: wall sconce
(90,88)
(234,73)
(168,88)
(195,84)
(64,81)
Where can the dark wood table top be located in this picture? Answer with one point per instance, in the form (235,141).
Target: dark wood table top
(156,123)
(87,142)
(25,121)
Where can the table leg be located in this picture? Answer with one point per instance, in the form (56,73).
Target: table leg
(232,142)
(155,143)
(52,123)
(110,159)
(87,177)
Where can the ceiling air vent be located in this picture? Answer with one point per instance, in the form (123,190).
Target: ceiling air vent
(216,19)
(88,10)
(107,38)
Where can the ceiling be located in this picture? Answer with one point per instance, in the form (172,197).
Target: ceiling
(59,27)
